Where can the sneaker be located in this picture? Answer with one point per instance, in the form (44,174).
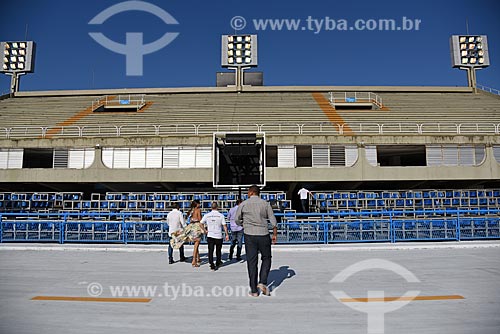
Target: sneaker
(170,261)
(253,294)
(218,264)
(213,268)
(264,289)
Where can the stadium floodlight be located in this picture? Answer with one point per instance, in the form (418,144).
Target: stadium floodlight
(470,53)
(239,52)
(244,44)
(18,60)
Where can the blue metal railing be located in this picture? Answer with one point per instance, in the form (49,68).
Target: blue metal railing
(316,228)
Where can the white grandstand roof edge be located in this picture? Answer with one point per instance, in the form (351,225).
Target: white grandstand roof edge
(270,89)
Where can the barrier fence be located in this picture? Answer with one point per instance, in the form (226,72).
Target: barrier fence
(302,128)
(370,226)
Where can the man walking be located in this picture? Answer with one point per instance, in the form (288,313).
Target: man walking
(254,214)
(236,232)
(214,222)
(175,221)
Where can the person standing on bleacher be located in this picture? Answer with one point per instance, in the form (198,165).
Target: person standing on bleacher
(304,197)
(175,221)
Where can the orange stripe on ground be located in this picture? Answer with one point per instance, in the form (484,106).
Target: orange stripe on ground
(330,112)
(73,119)
(93,299)
(399,299)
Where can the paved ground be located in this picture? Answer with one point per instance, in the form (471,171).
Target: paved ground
(302,302)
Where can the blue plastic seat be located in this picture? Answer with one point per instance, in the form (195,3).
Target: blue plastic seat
(293,225)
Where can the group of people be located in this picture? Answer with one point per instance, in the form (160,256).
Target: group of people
(248,219)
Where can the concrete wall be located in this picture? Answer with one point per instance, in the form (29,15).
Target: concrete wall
(361,171)
(271,140)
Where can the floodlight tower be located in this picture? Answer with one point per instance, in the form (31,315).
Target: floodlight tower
(18,59)
(470,53)
(239,52)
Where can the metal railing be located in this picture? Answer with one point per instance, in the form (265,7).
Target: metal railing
(355,97)
(129,100)
(320,228)
(488,89)
(304,128)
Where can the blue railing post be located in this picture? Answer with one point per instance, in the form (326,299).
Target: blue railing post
(124,230)
(458,225)
(325,230)
(392,235)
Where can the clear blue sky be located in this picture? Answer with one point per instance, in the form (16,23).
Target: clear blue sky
(68,58)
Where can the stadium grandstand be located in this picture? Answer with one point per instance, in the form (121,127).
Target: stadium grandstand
(401,175)
(383,163)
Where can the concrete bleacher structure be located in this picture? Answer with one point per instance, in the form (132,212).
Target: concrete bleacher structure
(443,117)
(450,193)
(405,104)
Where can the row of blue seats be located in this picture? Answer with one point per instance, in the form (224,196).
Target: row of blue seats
(41,196)
(181,197)
(382,203)
(490,193)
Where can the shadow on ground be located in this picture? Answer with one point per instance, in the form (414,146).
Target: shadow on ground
(278,276)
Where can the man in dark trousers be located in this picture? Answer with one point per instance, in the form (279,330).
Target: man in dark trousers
(215,222)
(236,232)
(254,214)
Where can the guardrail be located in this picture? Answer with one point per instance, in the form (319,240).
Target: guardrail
(356,97)
(488,89)
(305,128)
(373,226)
(131,100)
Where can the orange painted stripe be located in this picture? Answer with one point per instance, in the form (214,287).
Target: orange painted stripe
(146,106)
(330,112)
(93,299)
(399,299)
(73,119)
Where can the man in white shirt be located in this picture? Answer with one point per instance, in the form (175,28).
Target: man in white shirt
(175,221)
(304,196)
(214,222)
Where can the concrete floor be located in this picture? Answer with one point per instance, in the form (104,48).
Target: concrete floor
(302,302)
